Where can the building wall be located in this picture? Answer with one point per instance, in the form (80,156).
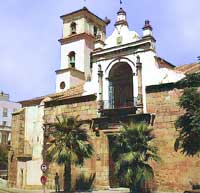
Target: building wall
(83,25)
(80,23)
(17,145)
(33,144)
(78,47)
(26,147)
(11,107)
(82,49)
(34,131)
(176,171)
(6,109)
(98,164)
(63,77)
(172,174)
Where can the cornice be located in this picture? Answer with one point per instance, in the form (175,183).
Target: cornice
(147,39)
(123,22)
(76,37)
(84,12)
(71,100)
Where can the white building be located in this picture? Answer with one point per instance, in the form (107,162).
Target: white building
(7,107)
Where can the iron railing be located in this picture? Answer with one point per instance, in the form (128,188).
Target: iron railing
(108,104)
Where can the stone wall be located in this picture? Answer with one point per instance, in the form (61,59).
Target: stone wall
(98,164)
(176,171)
(17,145)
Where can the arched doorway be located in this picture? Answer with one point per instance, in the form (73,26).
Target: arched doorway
(121,86)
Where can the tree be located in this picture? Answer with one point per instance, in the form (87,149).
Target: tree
(3,157)
(188,125)
(131,150)
(69,144)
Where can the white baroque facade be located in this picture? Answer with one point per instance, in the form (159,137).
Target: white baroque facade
(85,51)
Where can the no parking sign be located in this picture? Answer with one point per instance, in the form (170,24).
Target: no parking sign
(43,180)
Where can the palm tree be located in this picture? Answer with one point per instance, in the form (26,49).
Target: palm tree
(131,150)
(69,144)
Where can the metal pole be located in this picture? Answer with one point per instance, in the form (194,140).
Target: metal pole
(44,188)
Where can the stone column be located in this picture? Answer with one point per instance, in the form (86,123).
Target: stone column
(140,95)
(100,80)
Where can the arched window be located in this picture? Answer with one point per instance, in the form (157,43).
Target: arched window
(72,59)
(73,28)
(62,85)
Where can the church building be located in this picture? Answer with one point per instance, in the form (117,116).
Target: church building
(104,80)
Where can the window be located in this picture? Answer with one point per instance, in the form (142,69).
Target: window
(73,28)
(62,85)
(4,123)
(5,112)
(14,109)
(95,30)
(72,59)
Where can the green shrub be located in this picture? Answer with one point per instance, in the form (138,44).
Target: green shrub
(84,183)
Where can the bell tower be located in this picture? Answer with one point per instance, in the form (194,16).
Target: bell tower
(80,31)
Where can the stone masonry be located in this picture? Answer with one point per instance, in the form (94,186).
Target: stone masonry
(175,171)
(17,145)
(99,162)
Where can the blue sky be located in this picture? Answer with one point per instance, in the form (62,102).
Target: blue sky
(30,52)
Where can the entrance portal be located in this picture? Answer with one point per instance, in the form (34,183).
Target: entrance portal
(121,86)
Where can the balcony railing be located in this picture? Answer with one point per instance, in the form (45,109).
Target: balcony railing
(107,104)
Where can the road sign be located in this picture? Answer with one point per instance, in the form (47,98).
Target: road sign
(43,180)
(44,167)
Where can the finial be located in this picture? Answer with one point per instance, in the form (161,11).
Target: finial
(138,59)
(120,3)
(147,25)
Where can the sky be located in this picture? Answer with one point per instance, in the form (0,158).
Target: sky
(29,30)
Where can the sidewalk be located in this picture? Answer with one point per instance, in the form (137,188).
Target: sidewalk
(14,190)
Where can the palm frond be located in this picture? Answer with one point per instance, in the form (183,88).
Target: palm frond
(70,141)
(131,149)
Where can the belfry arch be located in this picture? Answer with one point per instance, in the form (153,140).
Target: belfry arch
(121,85)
